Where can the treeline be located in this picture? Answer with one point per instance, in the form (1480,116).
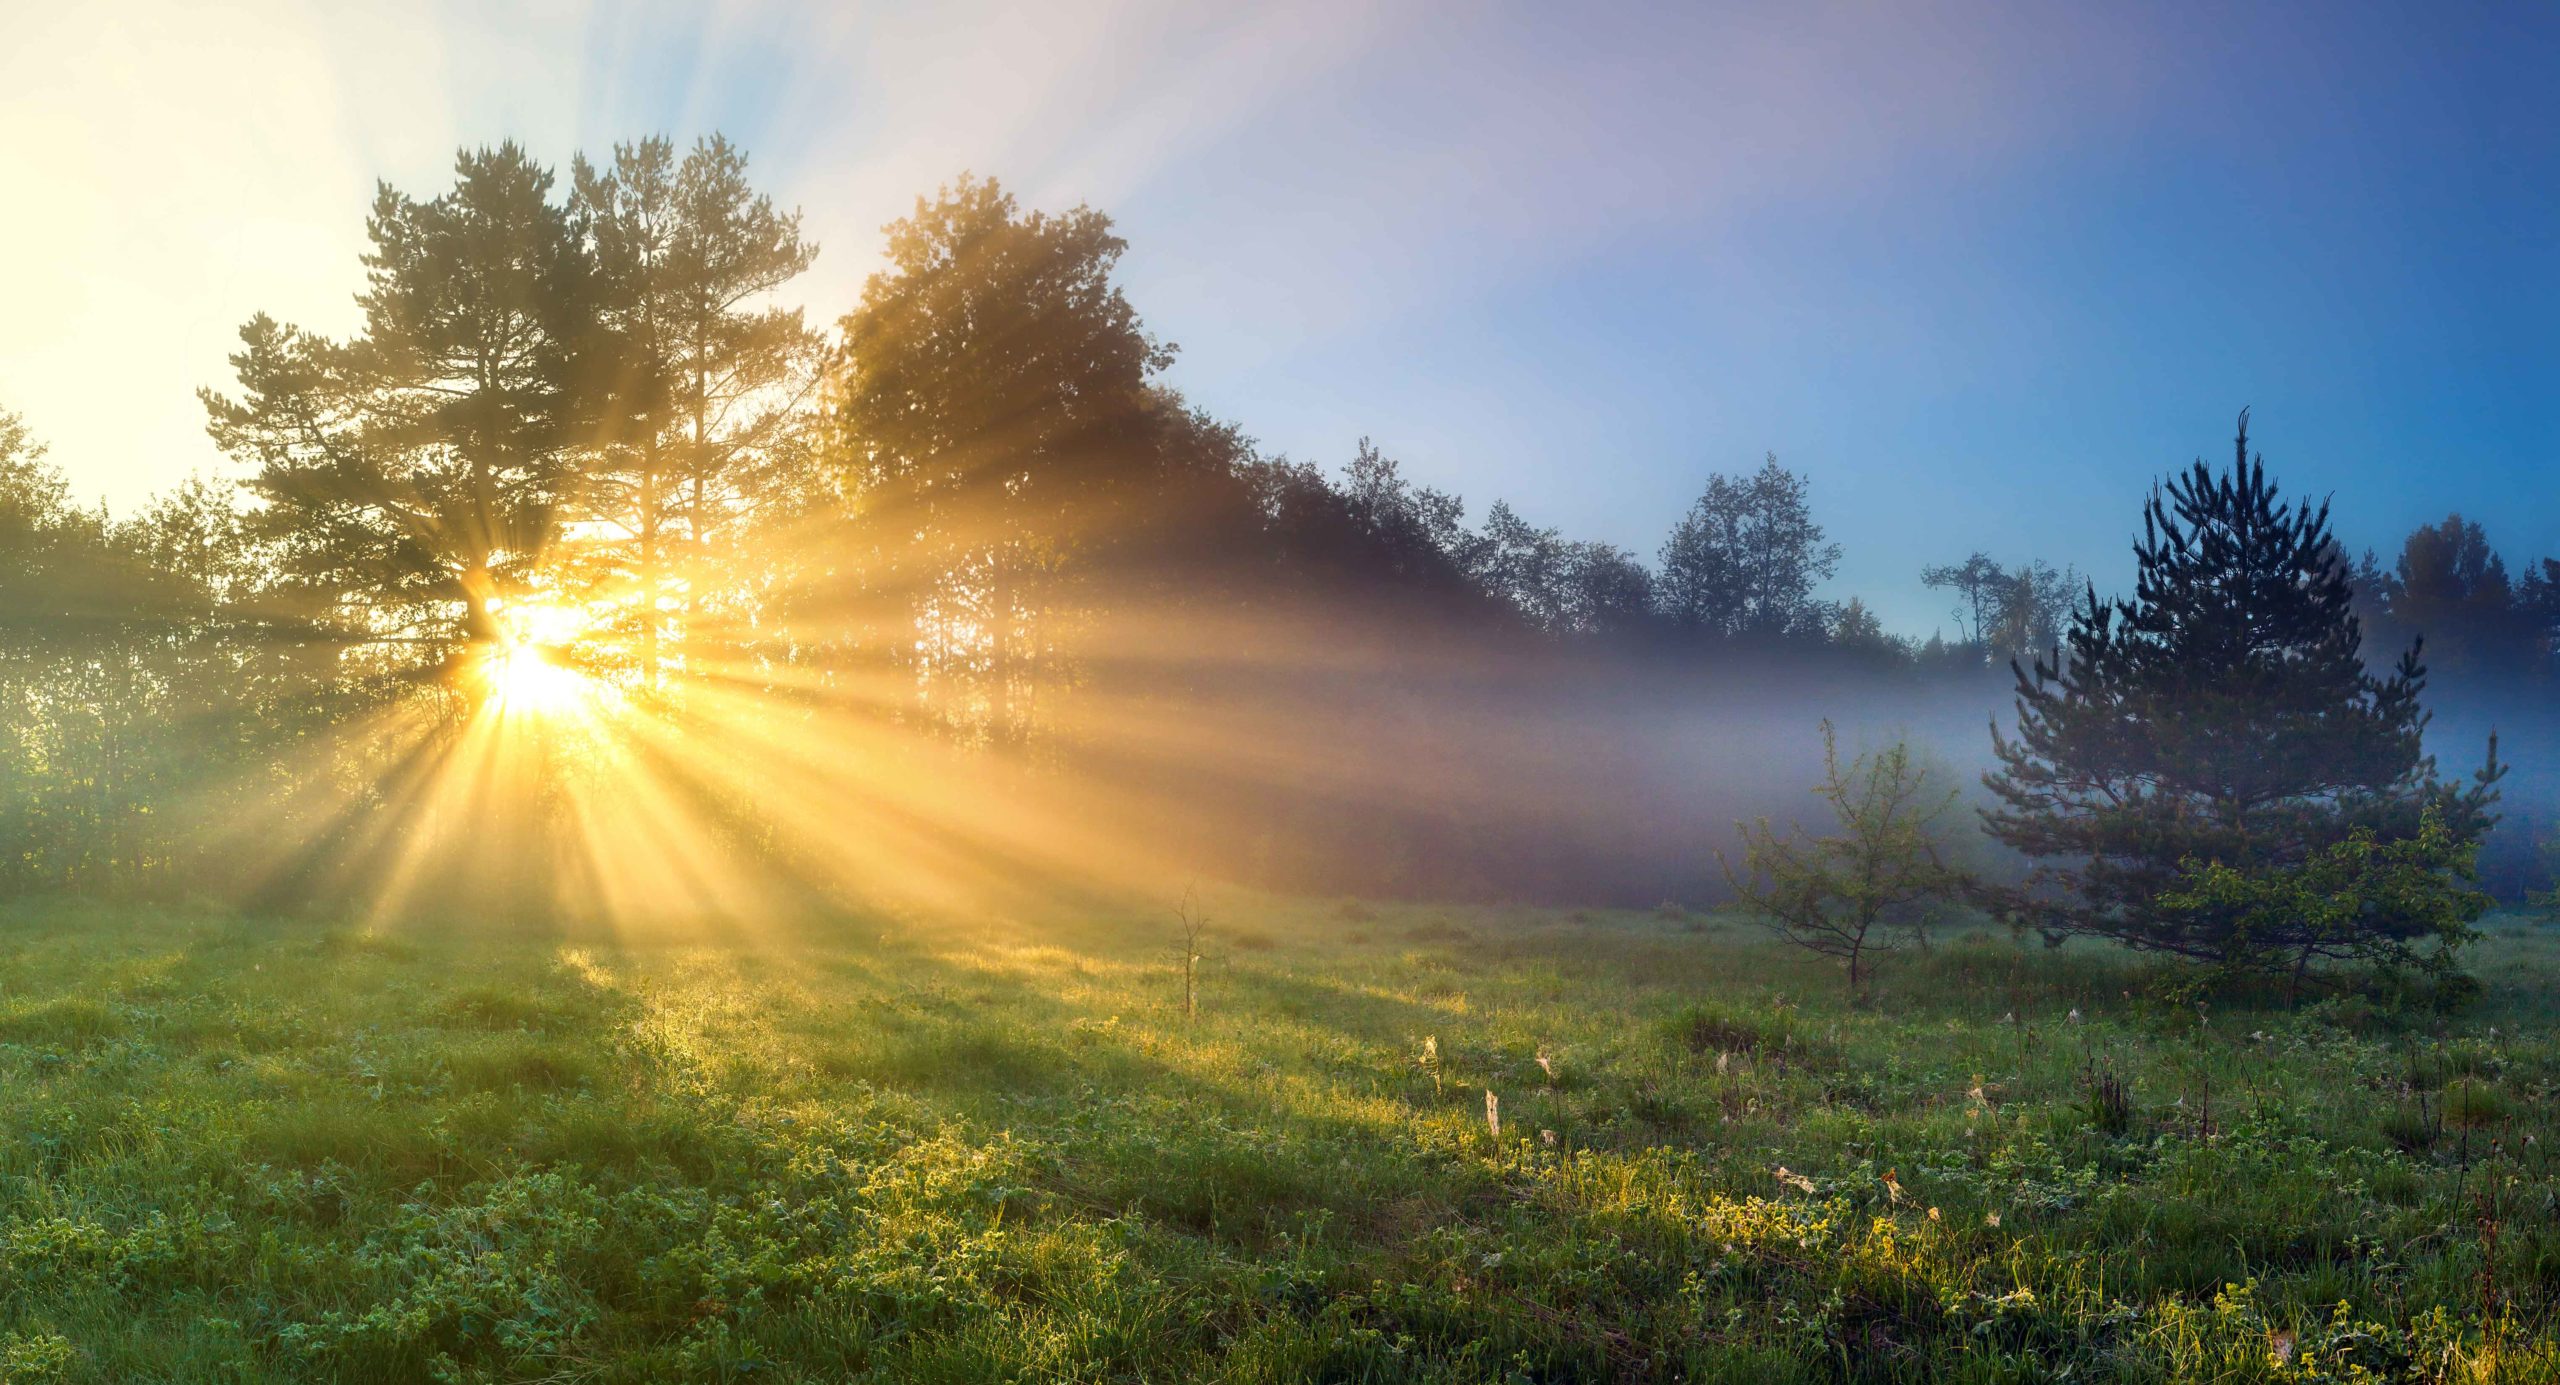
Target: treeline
(957,588)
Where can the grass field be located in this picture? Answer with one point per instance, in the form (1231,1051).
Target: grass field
(250,1150)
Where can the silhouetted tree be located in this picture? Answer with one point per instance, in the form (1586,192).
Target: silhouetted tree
(701,378)
(1980,584)
(2221,717)
(995,424)
(1607,590)
(2011,612)
(2450,588)
(412,478)
(1746,558)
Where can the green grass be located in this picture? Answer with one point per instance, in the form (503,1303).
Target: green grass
(995,1150)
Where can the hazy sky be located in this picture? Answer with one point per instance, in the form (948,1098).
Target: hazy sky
(1982,271)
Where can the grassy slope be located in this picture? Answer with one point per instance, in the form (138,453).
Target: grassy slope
(240,1150)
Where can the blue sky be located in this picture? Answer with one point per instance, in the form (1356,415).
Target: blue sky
(1982,271)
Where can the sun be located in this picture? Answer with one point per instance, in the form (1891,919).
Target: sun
(529,678)
(523,671)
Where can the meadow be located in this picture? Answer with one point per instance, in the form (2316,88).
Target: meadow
(1395,1142)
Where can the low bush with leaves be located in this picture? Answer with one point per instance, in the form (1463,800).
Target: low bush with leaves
(2397,906)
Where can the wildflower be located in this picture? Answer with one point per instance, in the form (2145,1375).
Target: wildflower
(1546,1064)
(2281,1348)
(1892,1187)
(2073,1017)
(1933,1214)
(1724,1062)
(1547,1138)
(1992,1220)
(1794,1180)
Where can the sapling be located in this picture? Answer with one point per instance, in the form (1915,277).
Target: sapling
(1875,882)
(1193,928)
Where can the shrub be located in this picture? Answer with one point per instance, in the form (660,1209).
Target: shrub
(2405,905)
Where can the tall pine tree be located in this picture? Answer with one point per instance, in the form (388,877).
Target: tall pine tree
(2221,718)
(703,376)
(412,477)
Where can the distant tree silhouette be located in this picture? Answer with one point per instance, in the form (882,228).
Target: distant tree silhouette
(1980,584)
(2012,613)
(2222,717)
(1746,558)
(2450,588)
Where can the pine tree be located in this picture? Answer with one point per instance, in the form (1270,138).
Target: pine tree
(701,377)
(412,477)
(2223,719)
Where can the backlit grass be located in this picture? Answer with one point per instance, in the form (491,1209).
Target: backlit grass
(994,1149)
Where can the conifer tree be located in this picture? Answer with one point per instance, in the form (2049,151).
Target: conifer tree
(2223,719)
(412,477)
(701,376)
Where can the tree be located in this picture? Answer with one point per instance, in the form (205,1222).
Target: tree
(701,378)
(2011,612)
(1525,566)
(2450,588)
(1871,884)
(1746,558)
(413,477)
(2222,716)
(994,423)
(1980,583)
(1607,590)
(1857,628)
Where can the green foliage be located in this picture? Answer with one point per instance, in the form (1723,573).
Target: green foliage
(414,476)
(699,380)
(1873,883)
(2400,905)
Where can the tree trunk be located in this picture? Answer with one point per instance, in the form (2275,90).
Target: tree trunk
(649,568)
